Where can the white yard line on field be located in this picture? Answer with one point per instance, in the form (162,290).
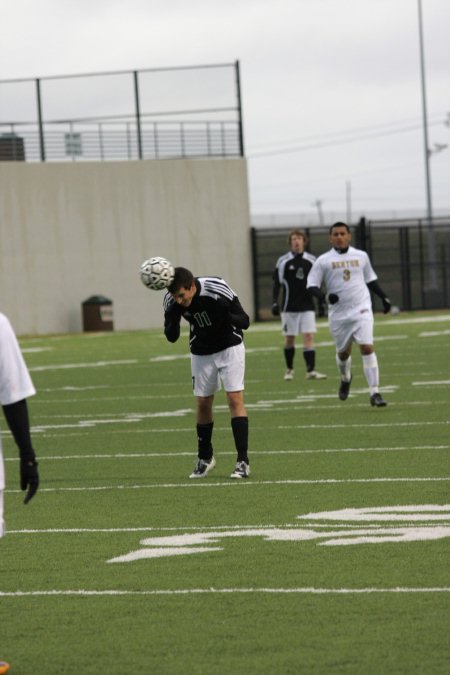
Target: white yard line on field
(94,364)
(88,424)
(228,591)
(430,383)
(249,483)
(191,453)
(276,326)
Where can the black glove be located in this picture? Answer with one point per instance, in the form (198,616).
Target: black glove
(333,298)
(275,309)
(29,478)
(386,305)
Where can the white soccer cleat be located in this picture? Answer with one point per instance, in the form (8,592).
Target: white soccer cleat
(314,375)
(203,468)
(241,470)
(289,374)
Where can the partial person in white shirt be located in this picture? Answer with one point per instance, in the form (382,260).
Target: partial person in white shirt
(15,387)
(347,274)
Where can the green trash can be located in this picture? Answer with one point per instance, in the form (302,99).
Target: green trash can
(97,314)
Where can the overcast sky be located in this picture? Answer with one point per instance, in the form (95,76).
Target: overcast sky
(331,89)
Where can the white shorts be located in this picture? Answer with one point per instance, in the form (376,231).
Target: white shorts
(2,487)
(294,323)
(358,330)
(2,522)
(211,370)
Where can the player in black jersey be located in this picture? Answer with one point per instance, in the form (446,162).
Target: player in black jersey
(216,342)
(298,311)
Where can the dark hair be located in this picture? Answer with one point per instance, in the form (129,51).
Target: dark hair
(339,224)
(183,279)
(299,233)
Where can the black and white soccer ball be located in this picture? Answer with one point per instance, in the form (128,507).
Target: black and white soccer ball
(157,273)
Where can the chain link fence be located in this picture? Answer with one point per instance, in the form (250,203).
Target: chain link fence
(410,257)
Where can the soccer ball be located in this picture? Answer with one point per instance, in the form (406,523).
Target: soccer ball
(157,273)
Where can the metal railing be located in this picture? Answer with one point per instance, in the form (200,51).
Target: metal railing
(145,132)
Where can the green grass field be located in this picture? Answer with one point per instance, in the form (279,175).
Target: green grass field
(333,557)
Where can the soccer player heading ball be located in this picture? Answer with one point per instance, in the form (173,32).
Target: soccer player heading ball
(348,275)
(216,320)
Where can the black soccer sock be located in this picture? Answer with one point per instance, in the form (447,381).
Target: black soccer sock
(289,353)
(204,435)
(239,426)
(310,359)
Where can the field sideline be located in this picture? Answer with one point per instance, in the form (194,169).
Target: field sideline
(333,557)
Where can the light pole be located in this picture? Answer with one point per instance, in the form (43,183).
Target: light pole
(433,285)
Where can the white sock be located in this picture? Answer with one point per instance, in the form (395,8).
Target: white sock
(370,365)
(345,368)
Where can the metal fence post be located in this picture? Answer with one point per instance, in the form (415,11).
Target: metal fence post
(255,273)
(138,113)
(40,123)
(239,102)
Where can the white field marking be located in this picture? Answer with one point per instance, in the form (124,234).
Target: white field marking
(127,418)
(324,408)
(219,408)
(31,350)
(166,547)
(90,388)
(140,397)
(225,409)
(191,453)
(229,591)
(203,528)
(430,382)
(275,326)
(169,357)
(328,343)
(177,357)
(255,350)
(307,398)
(96,364)
(112,530)
(252,483)
(363,426)
(199,542)
(301,398)
(86,424)
(435,333)
(415,512)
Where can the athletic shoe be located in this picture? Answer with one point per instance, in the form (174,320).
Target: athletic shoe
(377,401)
(241,470)
(203,468)
(289,374)
(4,667)
(314,375)
(344,389)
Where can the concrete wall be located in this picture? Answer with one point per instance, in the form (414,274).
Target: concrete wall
(72,230)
